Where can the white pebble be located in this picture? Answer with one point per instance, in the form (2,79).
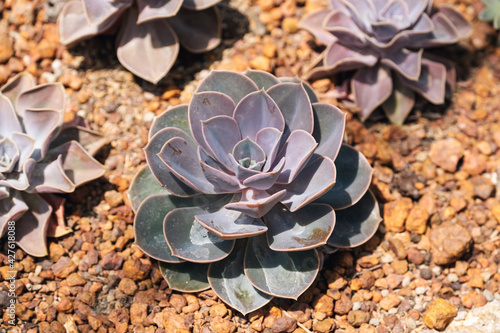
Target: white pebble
(489,296)
(461,315)
(406,281)
(452,277)
(420,290)
(148,117)
(384,292)
(387,258)
(436,270)
(357,305)
(374,322)
(392,311)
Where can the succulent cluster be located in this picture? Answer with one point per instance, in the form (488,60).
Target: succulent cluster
(381,43)
(244,184)
(40,155)
(149,31)
(491,12)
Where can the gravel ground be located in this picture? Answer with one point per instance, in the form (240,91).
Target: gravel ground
(435,259)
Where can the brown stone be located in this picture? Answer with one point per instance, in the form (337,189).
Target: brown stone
(324,326)
(111,261)
(127,286)
(323,303)
(113,198)
(439,314)
(343,305)
(221,325)
(6,50)
(65,305)
(56,251)
(390,301)
(449,242)
(219,310)
(474,164)
(415,256)
(75,279)
(63,267)
(138,312)
(395,214)
(300,311)
(358,317)
(137,269)
(398,248)
(483,188)
(120,318)
(284,324)
(417,220)
(446,153)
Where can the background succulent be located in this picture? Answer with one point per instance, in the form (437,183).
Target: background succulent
(491,12)
(149,30)
(382,41)
(244,184)
(40,155)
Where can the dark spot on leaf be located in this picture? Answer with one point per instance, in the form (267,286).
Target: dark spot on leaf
(175,151)
(317,235)
(206,101)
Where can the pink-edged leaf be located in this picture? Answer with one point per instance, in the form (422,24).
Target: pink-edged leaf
(50,178)
(234,85)
(91,140)
(329,127)
(98,11)
(305,229)
(295,106)
(451,73)
(313,23)
(74,26)
(180,156)
(406,62)
(57,224)
(415,9)
(384,31)
(343,27)
(221,134)
(31,227)
(199,4)
(397,12)
(371,87)
(265,180)
(176,116)
(263,80)
(49,96)
(461,24)
(12,207)
(230,224)
(257,111)
(156,9)
(189,240)
(158,44)
(398,106)
(444,32)
(241,172)
(256,203)
(19,180)
(9,123)
(297,150)
(222,181)
(198,30)
(19,83)
(248,152)
(166,178)
(431,83)
(341,58)
(354,175)
(206,105)
(357,224)
(41,125)
(317,178)
(79,166)
(362,12)
(268,139)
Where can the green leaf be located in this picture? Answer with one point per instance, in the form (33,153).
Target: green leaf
(176,116)
(357,224)
(229,282)
(143,185)
(281,274)
(186,277)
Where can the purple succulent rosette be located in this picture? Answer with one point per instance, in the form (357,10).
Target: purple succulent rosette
(244,184)
(382,42)
(149,30)
(39,156)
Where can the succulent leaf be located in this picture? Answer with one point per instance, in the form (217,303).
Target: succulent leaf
(185,277)
(157,9)
(281,274)
(176,116)
(142,186)
(227,278)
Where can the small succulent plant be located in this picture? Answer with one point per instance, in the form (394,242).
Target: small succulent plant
(380,43)
(40,155)
(245,184)
(491,12)
(149,31)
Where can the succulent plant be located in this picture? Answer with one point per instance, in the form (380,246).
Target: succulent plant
(491,12)
(40,155)
(149,31)
(380,43)
(244,184)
